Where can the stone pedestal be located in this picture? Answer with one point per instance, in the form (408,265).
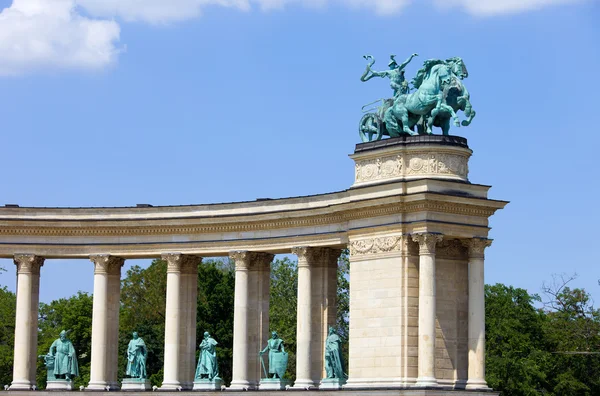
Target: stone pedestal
(273,384)
(135,384)
(208,385)
(331,384)
(59,385)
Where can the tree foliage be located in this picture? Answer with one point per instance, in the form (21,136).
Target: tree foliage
(8,303)
(73,314)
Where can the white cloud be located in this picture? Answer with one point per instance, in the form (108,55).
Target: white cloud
(155,11)
(498,7)
(166,11)
(52,34)
(43,34)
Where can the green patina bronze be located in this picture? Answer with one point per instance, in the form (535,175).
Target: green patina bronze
(207,368)
(334,361)
(278,357)
(64,358)
(439,94)
(137,353)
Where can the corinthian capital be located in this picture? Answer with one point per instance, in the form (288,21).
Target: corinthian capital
(427,242)
(28,263)
(182,263)
(245,260)
(476,246)
(107,264)
(316,256)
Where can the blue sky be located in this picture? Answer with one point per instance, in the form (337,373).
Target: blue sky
(119,102)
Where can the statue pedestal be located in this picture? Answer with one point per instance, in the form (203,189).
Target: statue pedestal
(59,385)
(135,384)
(208,385)
(331,384)
(273,384)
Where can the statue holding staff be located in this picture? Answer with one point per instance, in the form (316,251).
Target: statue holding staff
(278,357)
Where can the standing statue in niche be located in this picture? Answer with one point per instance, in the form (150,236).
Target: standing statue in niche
(278,357)
(207,368)
(65,358)
(334,363)
(136,357)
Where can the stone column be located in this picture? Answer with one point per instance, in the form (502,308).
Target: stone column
(28,276)
(176,263)
(189,302)
(107,272)
(313,304)
(250,317)
(426,359)
(476,371)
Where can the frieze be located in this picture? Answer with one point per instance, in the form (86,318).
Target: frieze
(412,164)
(376,245)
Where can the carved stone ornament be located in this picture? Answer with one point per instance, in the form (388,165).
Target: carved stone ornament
(427,242)
(28,263)
(376,245)
(316,256)
(107,264)
(412,165)
(182,263)
(476,246)
(245,260)
(451,249)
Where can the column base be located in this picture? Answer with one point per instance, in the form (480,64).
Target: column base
(99,386)
(274,384)
(135,384)
(477,384)
(170,386)
(375,383)
(186,386)
(331,384)
(62,385)
(20,385)
(241,386)
(427,382)
(305,384)
(208,385)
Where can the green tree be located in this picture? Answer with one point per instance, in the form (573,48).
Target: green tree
(516,357)
(572,333)
(282,307)
(216,286)
(143,300)
(73,314)
(8,303)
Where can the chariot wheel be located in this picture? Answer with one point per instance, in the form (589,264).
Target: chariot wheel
(370,128)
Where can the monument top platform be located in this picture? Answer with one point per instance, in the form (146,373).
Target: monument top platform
(440,140)
(411,158)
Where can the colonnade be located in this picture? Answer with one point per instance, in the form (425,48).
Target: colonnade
(316,311)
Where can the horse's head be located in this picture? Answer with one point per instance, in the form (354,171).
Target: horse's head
(458,67)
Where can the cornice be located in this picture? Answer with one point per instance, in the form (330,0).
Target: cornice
(245,224)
